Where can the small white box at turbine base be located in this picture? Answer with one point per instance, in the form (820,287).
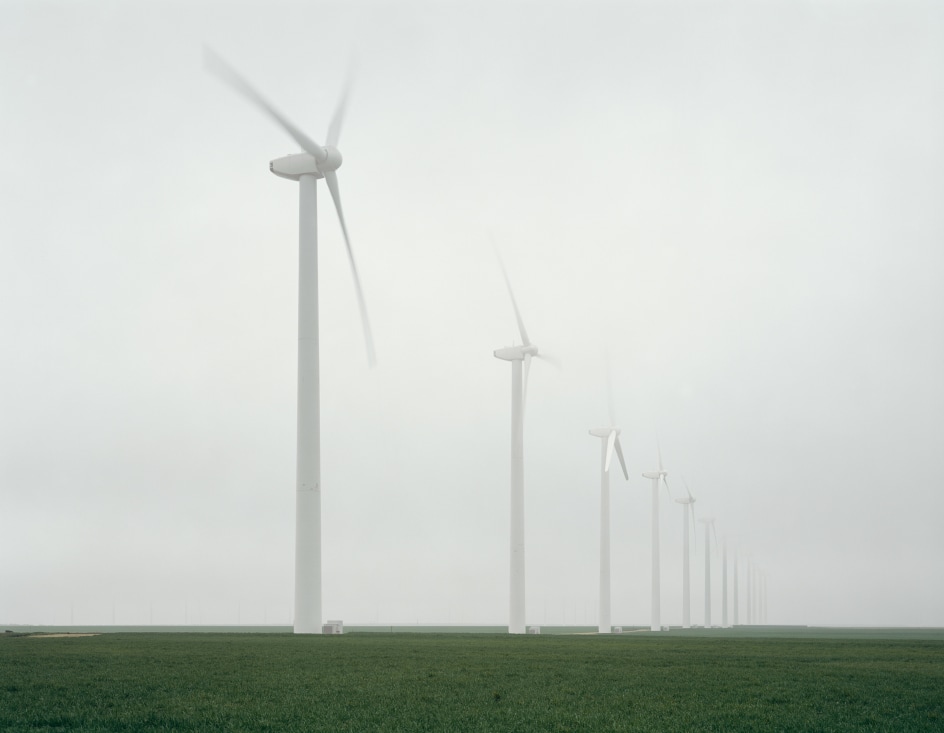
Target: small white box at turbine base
(333,627)
(617,629)
(534,629)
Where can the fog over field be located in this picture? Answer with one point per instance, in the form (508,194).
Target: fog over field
(736,205)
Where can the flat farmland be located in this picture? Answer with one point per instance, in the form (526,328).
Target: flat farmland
(471,682)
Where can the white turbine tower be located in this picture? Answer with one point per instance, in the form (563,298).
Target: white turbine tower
(763,615)
(724,583)
(750,591)
(609,441)
(688,502)
(656,477)
(306,168)
(735,599)
(518,356)
(708,523)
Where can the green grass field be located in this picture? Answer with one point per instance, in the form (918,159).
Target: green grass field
(469,682)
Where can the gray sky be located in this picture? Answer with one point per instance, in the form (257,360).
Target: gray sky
(738,202)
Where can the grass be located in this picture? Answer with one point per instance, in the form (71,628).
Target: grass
(468,682)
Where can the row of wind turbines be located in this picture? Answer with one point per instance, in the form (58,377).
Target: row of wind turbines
(756,596)
(322,162)
(520,358)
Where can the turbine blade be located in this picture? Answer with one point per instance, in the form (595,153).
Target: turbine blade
(667,490)
(334,130)
(610,441)
(694,521)
(687,490)
(619,454)
(514,303)
(331,178)
(550,359)
(216,65)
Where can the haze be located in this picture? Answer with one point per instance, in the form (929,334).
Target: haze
(738,203)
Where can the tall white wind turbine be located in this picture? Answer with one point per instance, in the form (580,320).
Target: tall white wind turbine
(709,529)
(656,477)
(609,442)
(688,502)
(306,167)
(519,356)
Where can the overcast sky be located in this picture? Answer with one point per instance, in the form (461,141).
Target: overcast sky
(739,203)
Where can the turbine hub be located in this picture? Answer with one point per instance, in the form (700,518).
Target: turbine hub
(332,159)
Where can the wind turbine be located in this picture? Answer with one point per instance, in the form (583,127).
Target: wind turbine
(518,356)
(609,441)
(750,591)
(724,583)
(689,503)
(306,167)
(763,597)
(656,477)
(735,598)
(710,522)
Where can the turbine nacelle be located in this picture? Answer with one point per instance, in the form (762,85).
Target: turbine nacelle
(685,500)
(297,165)
(604,432)
(655,474)
(516,353)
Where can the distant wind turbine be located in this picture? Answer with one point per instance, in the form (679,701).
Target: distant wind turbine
(708,523)
(689,503)
(609,441)
(656,477)
(735,599)
(724,583)
(518,356)
(306,167)
(750,591)
(763,597)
